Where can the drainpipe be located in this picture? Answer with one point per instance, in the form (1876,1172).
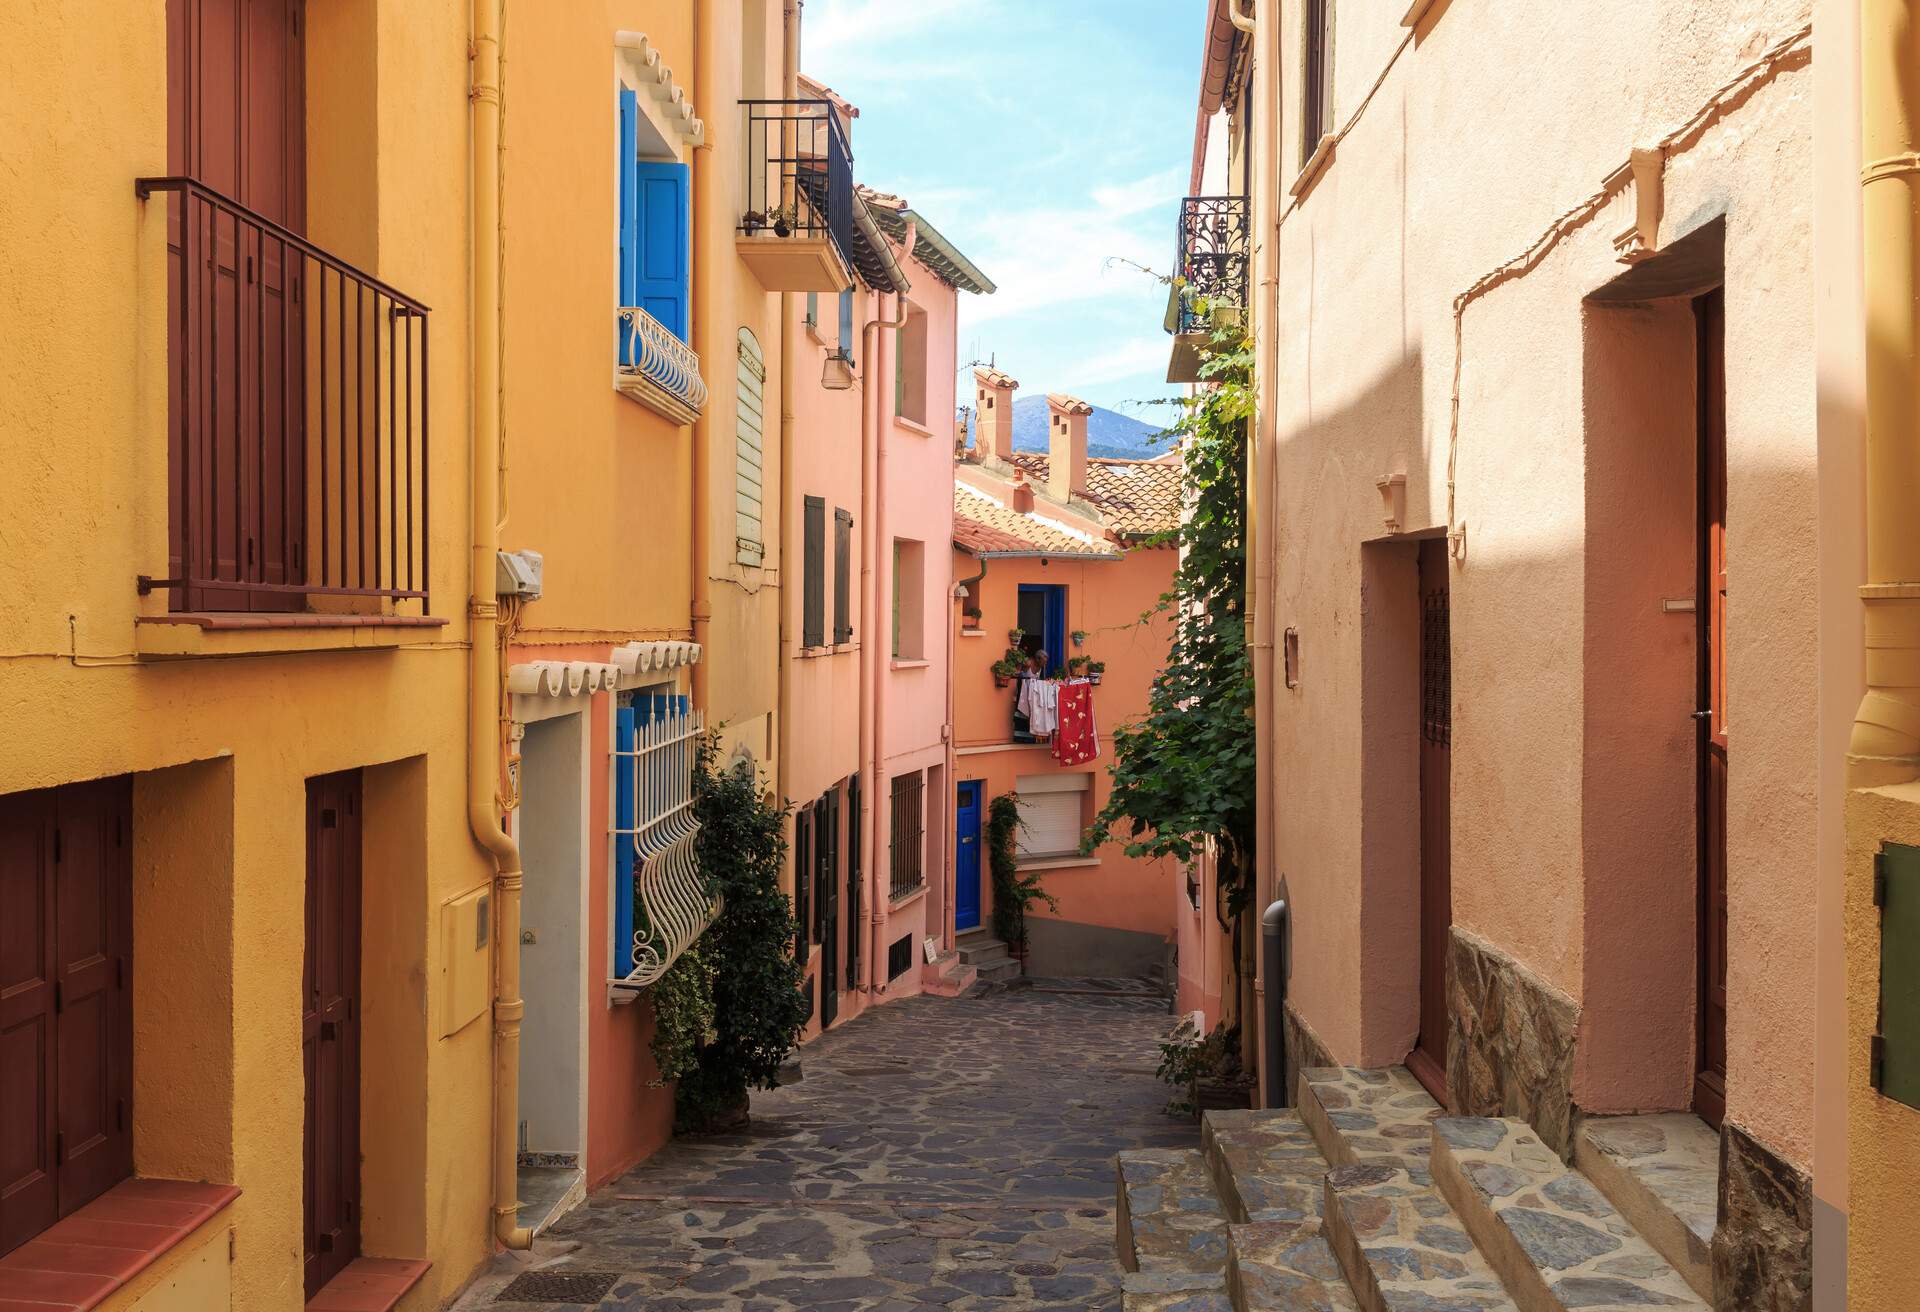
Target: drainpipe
(873,476)
(789,349)
(485,689)
(702,332)
(1263,227)
(1886,732)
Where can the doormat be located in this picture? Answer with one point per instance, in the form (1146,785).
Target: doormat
(559,1287)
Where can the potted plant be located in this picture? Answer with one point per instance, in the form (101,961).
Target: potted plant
(1205,1070)
(1015,635)
(1095,669)
(1077,666)
(784,220)
(1079,637)
(752,221)
(1004,670)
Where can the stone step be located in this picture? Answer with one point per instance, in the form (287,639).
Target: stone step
(1402,1247)
(981,951)
(991,972)
(1174,1291)
(1368,1117)
(1167,1218)
(951,976)
(1554,1239)
(1284,1266)
(1663,1173)
(1266,1165)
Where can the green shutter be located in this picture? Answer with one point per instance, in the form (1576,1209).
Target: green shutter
(749,429)
(842,576)
(1896,1044)
(813,584)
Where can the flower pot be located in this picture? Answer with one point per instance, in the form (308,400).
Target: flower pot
(1001,681)
(1093,678)
(782,228)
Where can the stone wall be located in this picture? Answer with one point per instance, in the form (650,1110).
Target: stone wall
(1763,1243)
(1304,1050)
(1510,1041)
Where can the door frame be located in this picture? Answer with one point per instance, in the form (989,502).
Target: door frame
(969,797)
(1710,1027)
(327,1252)
(1428,1059)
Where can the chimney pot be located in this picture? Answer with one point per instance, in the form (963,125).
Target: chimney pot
(1066,446)
(993,409)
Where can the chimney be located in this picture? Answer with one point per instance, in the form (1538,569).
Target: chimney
(1022,498)
(993,413)
(1066,446)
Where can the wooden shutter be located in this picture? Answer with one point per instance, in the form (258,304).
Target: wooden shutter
(813,565)
(802,879)
(664,256)
(750,429)
(842,576)
(66,1016)
(629,289)
(330,1027)
(1050,813)
(1313,81)
(854,831)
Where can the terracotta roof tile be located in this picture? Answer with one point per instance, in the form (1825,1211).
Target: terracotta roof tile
(1072,405)
(987,528)
(1138,497)
(994,378)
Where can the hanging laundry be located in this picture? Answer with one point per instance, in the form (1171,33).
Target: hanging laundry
(1078,739)
(1043,713)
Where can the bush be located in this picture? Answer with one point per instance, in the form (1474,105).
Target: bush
(1013,889)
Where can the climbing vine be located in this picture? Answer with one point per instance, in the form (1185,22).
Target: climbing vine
(1183,774)
(1013,890)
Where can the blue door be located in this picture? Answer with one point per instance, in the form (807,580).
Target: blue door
(966,879)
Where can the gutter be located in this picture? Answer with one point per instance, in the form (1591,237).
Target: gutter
(486,692)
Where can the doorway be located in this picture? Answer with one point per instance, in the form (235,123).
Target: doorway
(1428,1060)
(1710,1079)
(330,1027)
(827,899)
(551,824)
(966,876)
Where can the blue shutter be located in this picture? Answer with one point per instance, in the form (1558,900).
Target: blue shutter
(665,253)
(629,219)
(1056,634)
(846,324)
(623,854)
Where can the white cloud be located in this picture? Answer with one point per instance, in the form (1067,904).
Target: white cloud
(1130,360)
(836,29)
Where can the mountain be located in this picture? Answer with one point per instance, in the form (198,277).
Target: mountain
(1109,433)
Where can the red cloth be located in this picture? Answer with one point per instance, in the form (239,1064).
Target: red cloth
(1077,740)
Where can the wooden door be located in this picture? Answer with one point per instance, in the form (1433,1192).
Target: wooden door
(1428,1061)
(66,1015)
(851,910)
(1710,1083)
(966,878)
(236,122)
(829,888)
(330,1027)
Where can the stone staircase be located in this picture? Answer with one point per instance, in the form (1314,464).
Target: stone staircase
(950,976)
(987,955)
(1369,1198)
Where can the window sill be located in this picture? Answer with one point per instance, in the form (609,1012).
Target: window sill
(240,633)
(910,663)
(973,633)
(636,386)
(1056,862)
(1316,165)
(895,901)
(82,1260)
(817,653)
(369,1284)
(911,426)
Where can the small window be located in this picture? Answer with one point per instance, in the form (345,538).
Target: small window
(842,576)
(813,583)
(802,881)
(1053,814)
(1290,648)
(908,839)
(749,427)
(909,604)
(846,325)
(910,368)
(1316,104)
(813,312)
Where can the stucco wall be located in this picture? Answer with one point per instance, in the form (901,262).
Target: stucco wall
(1420,202)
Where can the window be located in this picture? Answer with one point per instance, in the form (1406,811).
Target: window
(749,427)
(842,576)
(656,230)
(1053,811)
(910,368)
(1290,648)
(656,736)
(1042,617)
(846,325)
(66,1035)
(826,861)
(813,573)
(909,604)
(1316,105)
(908,840)
(813,312)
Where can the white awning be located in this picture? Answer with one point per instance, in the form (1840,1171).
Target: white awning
(631,666)
(656,79)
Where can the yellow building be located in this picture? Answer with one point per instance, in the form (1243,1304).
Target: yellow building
(247,927)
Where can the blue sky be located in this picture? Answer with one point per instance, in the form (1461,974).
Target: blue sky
(1042,137)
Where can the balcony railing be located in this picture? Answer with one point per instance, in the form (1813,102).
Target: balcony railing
(298,453)
(660,368)
(663,903)
(799,172)
(906,871)
(1212,260)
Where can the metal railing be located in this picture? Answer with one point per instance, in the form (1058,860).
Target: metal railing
(298,454)
(908,839)
(799,172)
(651,351)
(672,905)
(1212,261)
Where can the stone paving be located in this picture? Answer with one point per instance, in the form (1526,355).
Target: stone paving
(940,1153)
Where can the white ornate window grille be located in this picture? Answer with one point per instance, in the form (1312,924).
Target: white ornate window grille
(654,831)
(665,371)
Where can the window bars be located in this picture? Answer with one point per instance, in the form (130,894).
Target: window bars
(663,903)
(909,792)
(651,351)
(1213,258)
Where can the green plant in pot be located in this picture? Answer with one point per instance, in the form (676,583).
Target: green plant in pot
(1095,669)
(1077,666)
(1014,889)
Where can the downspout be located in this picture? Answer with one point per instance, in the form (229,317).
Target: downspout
(707,199)
(873,474)
(485,690)
(789,349)
(1265,230)
(1886,732)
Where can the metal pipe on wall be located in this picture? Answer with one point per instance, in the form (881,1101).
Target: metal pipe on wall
(1885,747)
(485,689)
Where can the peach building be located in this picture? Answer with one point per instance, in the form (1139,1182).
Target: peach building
(1554,532)
(1057,546)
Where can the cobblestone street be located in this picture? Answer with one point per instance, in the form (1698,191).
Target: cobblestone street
(939,1154)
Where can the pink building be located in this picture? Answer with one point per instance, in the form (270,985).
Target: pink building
(1055,547)
(869,518)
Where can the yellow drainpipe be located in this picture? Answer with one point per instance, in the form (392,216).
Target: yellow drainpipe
(789,350)
(483,621)
(1886,732)
(704,325)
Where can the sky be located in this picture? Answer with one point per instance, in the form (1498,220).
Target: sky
(1046,139)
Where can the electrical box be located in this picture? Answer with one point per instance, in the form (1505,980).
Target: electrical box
(466,934)
(518,573)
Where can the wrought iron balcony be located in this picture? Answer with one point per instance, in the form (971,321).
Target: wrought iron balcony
(297,419)
(796,227)
(663,902)
(659,370)
(1212,261)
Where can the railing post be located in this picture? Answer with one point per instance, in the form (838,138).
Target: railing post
(1274,926)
